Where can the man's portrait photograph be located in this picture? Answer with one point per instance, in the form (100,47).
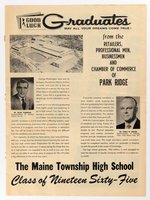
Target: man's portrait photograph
(22,93)
(128,112)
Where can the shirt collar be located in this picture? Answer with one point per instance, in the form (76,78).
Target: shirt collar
(131,124)
(21,98)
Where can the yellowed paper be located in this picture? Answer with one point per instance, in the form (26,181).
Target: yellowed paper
(76,90)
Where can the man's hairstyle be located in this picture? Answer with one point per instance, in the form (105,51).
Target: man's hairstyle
(22,81)
(128,97)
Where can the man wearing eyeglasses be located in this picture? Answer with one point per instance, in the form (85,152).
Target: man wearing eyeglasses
(20,101)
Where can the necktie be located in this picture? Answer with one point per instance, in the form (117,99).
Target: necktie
(128,126)
(23,104)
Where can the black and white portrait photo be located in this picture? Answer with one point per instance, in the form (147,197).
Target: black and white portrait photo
(128,112)
(22,93)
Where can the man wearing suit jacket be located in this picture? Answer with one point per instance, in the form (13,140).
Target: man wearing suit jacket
(21,101)
(128,110)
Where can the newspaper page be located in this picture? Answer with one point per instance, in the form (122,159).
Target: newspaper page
(76,98)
